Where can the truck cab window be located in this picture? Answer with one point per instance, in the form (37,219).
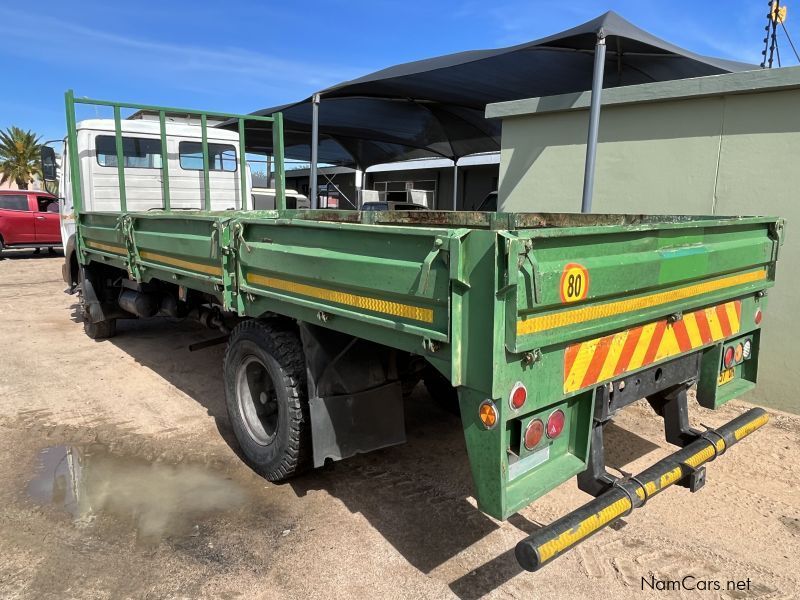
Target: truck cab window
(138,153)
(221,157)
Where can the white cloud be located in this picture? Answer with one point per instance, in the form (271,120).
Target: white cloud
(203,69)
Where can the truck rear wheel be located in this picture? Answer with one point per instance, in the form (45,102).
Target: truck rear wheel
(98,330)
(266,397)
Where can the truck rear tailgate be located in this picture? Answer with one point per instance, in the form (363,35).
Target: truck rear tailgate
(580,282)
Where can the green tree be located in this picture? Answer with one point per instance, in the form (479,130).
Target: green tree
(19,156)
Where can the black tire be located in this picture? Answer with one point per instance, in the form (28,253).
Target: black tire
(2,247)
(266,397)
(100,330)
(440,390)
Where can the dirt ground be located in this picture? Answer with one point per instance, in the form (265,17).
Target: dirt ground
(119,477)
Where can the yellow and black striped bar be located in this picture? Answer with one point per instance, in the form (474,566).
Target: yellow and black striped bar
(564,534)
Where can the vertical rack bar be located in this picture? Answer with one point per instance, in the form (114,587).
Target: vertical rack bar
(277,151)
(123,201)
(164,160)
(242,166)
(312,174)
(206,185)
(72,150)
(455,183)
(594,121)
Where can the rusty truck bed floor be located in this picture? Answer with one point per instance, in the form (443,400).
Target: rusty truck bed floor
(118,479)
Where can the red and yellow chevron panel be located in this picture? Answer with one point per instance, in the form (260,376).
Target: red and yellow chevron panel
(600,359)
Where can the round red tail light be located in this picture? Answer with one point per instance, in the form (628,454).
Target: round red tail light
(728,357)
(533,434)
(555,424)
(518,396)
(757,318)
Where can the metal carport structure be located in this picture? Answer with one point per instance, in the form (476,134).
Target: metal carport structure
(435,106)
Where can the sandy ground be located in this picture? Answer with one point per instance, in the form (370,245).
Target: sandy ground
(119,477)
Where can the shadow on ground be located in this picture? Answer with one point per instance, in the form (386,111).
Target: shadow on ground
(417,495)
(27,254)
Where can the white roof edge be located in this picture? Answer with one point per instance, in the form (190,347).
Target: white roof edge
(321,170)
(152,127)
(758,80)
(484,158)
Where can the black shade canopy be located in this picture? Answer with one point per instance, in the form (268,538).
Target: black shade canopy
(435,107)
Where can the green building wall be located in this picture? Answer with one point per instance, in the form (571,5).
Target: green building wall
(721,145)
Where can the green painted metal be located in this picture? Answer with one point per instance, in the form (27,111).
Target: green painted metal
(72,145)
(242,166)
(72,150)
(123,204)
(460,289)
(449,294)
(206,183)
(184,111)
(279,171)
(162,128)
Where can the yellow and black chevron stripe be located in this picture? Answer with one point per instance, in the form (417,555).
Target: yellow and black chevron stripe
(600,359)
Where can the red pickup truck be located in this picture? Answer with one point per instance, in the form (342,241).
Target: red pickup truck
(29,219)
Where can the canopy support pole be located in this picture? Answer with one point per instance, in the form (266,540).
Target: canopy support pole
(312,177)
(455,184)
(594,121)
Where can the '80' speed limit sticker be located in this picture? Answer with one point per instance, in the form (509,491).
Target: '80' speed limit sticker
(574,282)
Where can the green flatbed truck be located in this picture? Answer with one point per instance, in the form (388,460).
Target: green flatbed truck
(536,327)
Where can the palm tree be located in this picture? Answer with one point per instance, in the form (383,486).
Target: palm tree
(19,156)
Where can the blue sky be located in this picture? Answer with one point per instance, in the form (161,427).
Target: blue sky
(240,56)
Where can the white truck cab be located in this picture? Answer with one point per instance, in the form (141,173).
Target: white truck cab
(141,147)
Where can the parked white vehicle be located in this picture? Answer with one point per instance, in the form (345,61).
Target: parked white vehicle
(264,199)
(141,145)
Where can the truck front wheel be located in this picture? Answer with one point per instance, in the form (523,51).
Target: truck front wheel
(266,397)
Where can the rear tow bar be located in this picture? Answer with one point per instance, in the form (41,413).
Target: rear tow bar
(633,492)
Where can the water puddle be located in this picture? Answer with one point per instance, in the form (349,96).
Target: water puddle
(157,499)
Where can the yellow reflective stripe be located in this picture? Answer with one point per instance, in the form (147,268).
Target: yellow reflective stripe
(693,330)
(612,357)
(594,522)
(112,248)
(180,263)
(641,346)
(586,527)
(733,318)
(415,313)
(697,459)
(714,324)
(581,365)
(669,345)
(746,430)
(563,318)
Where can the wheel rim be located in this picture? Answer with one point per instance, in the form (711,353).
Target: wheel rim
(257,400)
